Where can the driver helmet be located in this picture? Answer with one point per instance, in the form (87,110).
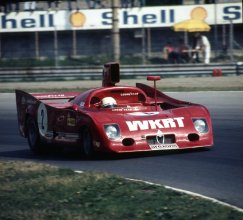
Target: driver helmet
(108,102)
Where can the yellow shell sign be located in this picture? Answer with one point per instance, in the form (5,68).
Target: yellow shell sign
(77,19)
(196,23)
(199,13)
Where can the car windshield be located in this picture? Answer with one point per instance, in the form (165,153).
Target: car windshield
(117,97)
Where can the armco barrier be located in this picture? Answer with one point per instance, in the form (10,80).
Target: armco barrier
(127,71)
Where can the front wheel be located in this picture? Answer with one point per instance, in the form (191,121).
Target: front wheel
(33,136)
(87,143)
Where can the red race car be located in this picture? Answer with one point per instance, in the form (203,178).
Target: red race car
(113,118)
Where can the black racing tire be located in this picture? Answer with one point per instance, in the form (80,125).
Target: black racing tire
(87,143)
(33,136)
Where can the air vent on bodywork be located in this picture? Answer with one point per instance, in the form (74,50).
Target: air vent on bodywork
(127,141)
(193,137)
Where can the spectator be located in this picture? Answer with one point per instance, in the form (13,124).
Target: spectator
(203,45)
(170,55)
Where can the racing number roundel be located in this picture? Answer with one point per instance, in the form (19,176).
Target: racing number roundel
(42,119)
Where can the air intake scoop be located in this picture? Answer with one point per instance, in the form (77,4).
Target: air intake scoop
(111,74)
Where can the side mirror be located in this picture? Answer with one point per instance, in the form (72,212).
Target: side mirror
(153,78)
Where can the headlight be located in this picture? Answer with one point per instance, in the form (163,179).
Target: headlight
(200,125)
(112,131)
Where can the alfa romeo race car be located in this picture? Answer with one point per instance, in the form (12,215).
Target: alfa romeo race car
(113,118)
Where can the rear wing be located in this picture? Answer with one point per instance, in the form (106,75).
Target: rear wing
(27,104)
(24,102)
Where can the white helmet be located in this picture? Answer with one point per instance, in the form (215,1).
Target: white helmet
(108,102)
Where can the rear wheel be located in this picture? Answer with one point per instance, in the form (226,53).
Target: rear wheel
(33,136)
(87,143)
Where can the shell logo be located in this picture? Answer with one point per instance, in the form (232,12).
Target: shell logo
(77,19)
(196,23)
(199,13)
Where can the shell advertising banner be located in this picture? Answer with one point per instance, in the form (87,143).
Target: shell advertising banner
(95,19)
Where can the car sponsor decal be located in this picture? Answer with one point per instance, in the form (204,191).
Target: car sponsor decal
(129,94)
(50,96)
(127,109)
(160,137)
(42,119)
(71,121)
(155,124)
(143,113)
(163,146)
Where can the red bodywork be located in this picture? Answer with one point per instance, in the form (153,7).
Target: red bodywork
(144,122)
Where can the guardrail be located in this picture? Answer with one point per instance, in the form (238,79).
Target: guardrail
(127,71)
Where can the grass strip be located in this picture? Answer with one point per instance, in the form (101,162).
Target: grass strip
(35,191)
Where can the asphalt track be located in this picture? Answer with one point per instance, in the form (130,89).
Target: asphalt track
(216,173)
